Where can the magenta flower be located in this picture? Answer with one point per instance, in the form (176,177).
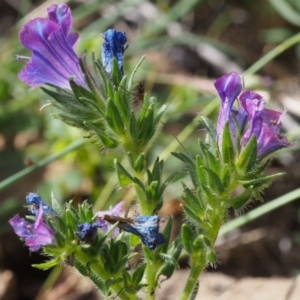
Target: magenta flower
(35,235)
(229,87)
(264,123)
(53,59)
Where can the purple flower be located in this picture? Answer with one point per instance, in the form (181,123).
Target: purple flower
(229,87)
(113,46)
(35,235)
(53,59)
(264,123)
(116,211)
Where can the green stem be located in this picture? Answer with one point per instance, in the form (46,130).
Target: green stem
(273,53)
(18,176)
(198,264)
(151,280)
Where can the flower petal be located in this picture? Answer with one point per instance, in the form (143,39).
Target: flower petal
(53,59)
(229,87)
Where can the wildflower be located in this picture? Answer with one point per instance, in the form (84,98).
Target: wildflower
(35,201)
(35,235)
(113,47)
(250,118)
(264,123)
(146,227)
(53,59)
(229,87)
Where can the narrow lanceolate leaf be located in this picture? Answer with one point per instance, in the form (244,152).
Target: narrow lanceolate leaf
(247,160)
(107,140)
(114,119)
(228,156)
(211,130)
(146,126)
(133,130)
(260,181)
(239,201)
(187,237)
(131,77)
(116,73)
(211,159)
(213,181)
(124,177)
(47,265)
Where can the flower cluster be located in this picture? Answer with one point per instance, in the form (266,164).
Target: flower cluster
(249,118)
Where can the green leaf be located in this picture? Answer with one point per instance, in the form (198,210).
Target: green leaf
(56,205)
(140,163)
(195,204)
(228,155)
(246,162)
(111,281)
(165,184)
(47,265)
(213,181)
(258,182)
(212,134)
(146,125)
(242,199)
(131,77)
(108,140)
(187,237)
(124,177)
(211,160)
(191,214)
(138,274)
(190,165)
(116,73)
(114,119)
(80,91)
(133,129)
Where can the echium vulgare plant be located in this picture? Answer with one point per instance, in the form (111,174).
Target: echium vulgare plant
(227,173)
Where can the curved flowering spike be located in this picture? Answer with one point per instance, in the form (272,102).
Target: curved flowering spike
(35,235)
(264,123)
(113,46)
(53,59)
(229,87)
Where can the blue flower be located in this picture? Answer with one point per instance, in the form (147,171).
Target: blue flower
(87,232)
(35,235)
(35,201)
(146,227)
(113,46)
(53,59)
